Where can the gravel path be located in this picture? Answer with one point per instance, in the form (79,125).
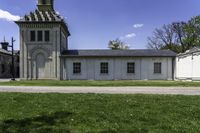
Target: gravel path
(105,90)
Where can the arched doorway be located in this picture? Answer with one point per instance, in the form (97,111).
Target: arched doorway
(40,66)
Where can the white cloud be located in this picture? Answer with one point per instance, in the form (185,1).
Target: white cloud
(138,25)
(131,35)
(8,16)
(128,36)
(57,12)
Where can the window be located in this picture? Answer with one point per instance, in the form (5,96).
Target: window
(46,36)
(77,68)
(32,36)
(11,68)
(130,67)
(157,68)
(40,36)
(2,68)
(104,68)
(44,2)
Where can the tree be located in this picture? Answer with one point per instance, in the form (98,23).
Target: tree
(193,32)
(179,30)
(117,44)
(163,37)
(178,36)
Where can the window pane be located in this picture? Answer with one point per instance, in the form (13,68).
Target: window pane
(32,36)
(40,36)
(2,68)
(47,36)
(131,67)
(44,2)
(77,68)
(157,67)
(104,68)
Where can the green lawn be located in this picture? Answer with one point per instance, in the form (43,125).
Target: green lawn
(92,113)
(101,83)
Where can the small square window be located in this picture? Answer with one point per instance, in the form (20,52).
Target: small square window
(32,36)
(130,67)
(157,68)
(76,67)
(40,36)
(47,36)
(104,68)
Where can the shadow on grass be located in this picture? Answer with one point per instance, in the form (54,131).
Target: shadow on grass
(51,123)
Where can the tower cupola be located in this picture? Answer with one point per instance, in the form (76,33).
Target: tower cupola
(45,5)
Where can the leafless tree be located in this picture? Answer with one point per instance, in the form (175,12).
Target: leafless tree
(164,36)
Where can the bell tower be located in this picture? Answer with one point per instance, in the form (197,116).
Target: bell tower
(43,38)
(45,5)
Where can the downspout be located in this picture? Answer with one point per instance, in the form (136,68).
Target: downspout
(173,68)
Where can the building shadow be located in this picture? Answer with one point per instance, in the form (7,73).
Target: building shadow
(52,123)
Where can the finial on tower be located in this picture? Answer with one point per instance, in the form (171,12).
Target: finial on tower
(45,5)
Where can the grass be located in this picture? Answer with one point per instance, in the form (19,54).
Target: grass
(95,113)
(101,83)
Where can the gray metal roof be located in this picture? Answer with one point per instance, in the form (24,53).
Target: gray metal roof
(5,51)
(42,16)
(119,53)
(49,16)
(191,51)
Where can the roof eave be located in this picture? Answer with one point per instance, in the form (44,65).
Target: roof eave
(111,56)
(39,22)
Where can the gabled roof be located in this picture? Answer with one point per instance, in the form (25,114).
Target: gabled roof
(3,51)
(119,53)
(191,51)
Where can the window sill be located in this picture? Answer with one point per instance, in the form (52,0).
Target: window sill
(104,74)
(130,73)
(77,74)
(157,73)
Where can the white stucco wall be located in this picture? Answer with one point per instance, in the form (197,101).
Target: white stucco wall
(144,68)
(188,67)
(53,68)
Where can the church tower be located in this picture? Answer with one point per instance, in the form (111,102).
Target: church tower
(43,37)
(44,5)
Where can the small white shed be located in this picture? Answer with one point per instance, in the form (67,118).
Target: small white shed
(188,65)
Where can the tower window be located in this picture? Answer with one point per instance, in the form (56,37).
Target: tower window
(44,2)
(40,36)
(32,36)
(46,36)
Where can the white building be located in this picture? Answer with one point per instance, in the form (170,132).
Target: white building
(44,54)
(118,64)
(188,65)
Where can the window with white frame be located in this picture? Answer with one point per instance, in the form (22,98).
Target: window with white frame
(104,68)
(76,67)
(157,68)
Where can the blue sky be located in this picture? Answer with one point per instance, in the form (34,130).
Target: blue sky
(93,23)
